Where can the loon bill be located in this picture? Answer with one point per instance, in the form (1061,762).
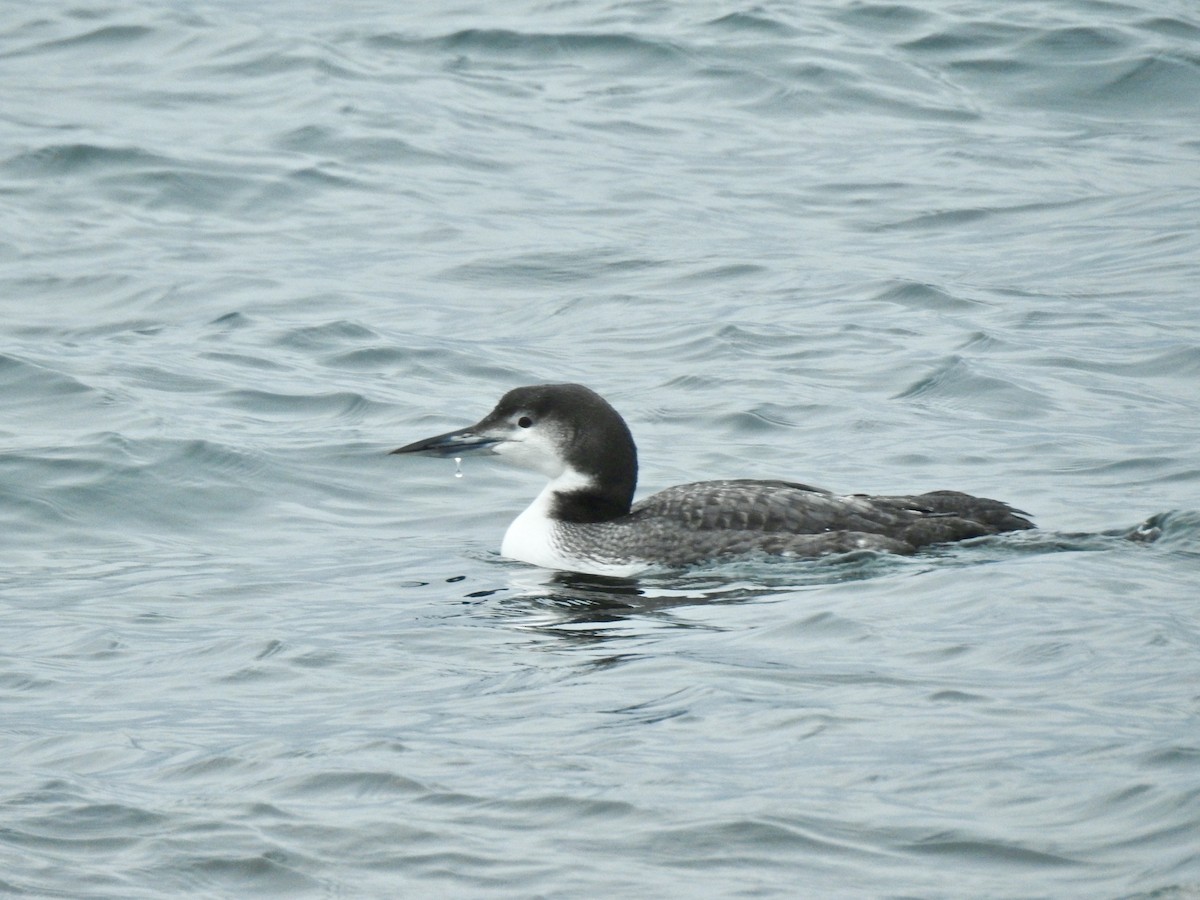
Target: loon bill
(585,520)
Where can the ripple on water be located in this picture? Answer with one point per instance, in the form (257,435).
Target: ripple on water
(114,485)
(31,386)
(274,404)
(957,384)
(58,160)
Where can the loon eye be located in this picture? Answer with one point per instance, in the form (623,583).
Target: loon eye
(525,422)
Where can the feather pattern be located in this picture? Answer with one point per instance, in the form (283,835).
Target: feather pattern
(711,520)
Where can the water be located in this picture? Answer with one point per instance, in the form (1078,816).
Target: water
(245,250)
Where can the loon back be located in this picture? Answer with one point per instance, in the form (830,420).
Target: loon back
(715,519)
(584,519)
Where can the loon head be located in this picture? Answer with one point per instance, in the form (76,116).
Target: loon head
(568,433)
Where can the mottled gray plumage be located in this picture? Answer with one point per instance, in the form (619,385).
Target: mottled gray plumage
(691,523)
(585,519)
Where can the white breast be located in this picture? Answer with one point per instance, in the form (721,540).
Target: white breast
(534,537)
(530,538)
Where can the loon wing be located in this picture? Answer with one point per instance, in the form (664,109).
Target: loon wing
(901,523)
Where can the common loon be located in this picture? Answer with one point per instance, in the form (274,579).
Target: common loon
(584,520)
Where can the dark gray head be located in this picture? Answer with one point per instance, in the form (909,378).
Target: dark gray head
(567,432)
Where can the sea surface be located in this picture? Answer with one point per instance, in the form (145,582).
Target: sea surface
(246,249)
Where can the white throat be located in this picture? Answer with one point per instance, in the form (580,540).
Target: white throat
(532,535)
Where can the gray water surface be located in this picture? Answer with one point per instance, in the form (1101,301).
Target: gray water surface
(246,250)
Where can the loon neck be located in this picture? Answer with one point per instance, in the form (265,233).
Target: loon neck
(600,465)
(578,498)
(583,506)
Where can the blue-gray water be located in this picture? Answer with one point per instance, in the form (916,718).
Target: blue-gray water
(246,249)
